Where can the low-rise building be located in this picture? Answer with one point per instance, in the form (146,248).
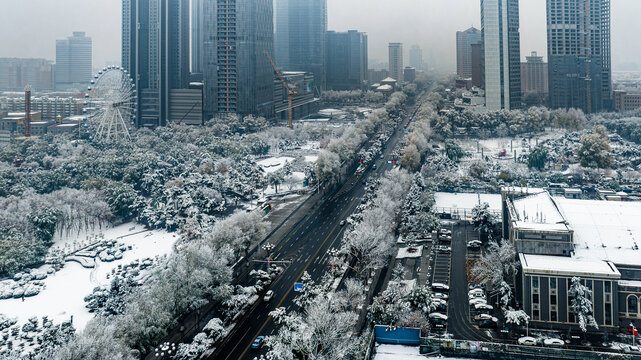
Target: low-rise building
(626,102)
(304,104)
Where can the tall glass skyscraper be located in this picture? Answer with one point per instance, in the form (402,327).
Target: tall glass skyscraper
(464,41)
(346,60)
(579,60)
(73,62)
(501,41)
(300,27)
(155,51)
(238,77)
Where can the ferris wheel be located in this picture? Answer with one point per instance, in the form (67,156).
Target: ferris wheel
(110,105)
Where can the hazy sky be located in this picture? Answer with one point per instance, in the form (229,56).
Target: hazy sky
(29,28)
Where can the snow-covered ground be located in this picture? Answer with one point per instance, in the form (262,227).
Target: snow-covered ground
(274,164)
(64,292)
(397,352)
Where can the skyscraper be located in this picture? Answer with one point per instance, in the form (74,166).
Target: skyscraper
(464,41)
(346,60)
(580,73)
(396,61)
(238,77)
(502,53)
(197,33)
(73,62)
(299,38)
(416,58)
(155,51)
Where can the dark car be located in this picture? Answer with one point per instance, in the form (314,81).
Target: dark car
(258,342)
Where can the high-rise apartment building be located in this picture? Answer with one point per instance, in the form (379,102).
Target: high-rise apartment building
(580,73)
(534,75)
(238,77)
(502,53)
(346,60)
(299,37)
(155,51)
(73,62)
(416,58)
(464,41)
(396,61)
(15,74)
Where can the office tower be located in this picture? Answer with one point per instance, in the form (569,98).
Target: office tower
(346,60)
(73,62)
(478,77)
(299,37)
(502,53)
(238,77)
(155,50)
(464,41)
(534,75)
(416,58)
(15,74)
(580,73)
(396,61)
(197,33)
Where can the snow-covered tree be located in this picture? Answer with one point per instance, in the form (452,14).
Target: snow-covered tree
(484,220)
(581,304)
(496,265)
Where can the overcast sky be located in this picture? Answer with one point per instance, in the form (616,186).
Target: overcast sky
(29,28)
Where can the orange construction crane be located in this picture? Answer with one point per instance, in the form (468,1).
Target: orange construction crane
(290,92)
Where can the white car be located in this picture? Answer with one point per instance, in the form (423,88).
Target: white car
(438,295)
(553,342)
(476,291)
(632,349)
(440,286)
(481,306)
(528,341)
(444,249)
(436,315)
(483,317)
(474,244)
(476,301)
(476,295)
(268,295)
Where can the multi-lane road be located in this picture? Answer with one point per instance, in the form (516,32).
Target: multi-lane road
(305,247)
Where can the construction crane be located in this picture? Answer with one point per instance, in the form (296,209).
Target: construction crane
(290,92)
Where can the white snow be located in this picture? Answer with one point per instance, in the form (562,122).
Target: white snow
(404,253)
(65,290)
(273,164)
(630,283)
(311,158)
(561,265)
(538,208)
(463,202)
(397,352)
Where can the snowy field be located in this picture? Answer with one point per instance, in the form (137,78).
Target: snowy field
(397,352)
(64,291)
(503,148)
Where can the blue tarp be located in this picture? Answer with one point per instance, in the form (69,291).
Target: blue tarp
(401,336)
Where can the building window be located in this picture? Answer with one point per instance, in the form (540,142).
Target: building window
(633,305)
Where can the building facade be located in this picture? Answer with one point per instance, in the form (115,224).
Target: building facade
(396,61)
(580,73)
(238,77)
(197,33)
(478,70)
(346,60)
(299,37)
(155,51)
(416,58)
(626,102)
(73,62)
(15,74)
(464,41)
(534,75)
(304,104)
(502,53)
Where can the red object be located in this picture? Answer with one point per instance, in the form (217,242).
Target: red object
(635,332)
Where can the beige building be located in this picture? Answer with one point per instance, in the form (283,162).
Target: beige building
(396,61)
(626,102)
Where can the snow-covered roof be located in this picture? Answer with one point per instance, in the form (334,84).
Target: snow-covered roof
(397,352)
(567,266)
(466,201)
(385,88)
(605,230)
(538,209)
(388,80)
(523,225)
(630,283)
(406,253)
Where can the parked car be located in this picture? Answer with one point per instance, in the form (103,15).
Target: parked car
(438,295)
(438,323)
(480,317)
(268,295)
(474,244)
(444,249)
(445,238)
(258,342)
(437,315)
(554,342)
(440,287)
(483,307)
(492,323)
(475,295)
(477,301)
(632,349)
(445,231)
(476,291)
(528,341)
(440,305)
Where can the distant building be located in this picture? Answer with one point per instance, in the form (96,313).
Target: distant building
(49,107)
(299,37)
(376,76)
(579,54)
(416,58)
(464,41)
(409,74)
(15,74)
(304,104)
(14,124)
(396,61)
(478,70)
(155,51)
(73,67)
(186,105)
(346,60)
(197,37)
(502,53)
(238,77)
(534,75)
(626,102)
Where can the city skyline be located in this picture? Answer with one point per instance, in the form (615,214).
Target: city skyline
(431,24)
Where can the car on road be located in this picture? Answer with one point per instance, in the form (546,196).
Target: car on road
(268,295)
(342,223)
(528,341)
(553,342)
(444,249)
(440,287)
(258,342)
(474,244)
(476,301)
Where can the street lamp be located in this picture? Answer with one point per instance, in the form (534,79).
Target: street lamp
(165,350)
